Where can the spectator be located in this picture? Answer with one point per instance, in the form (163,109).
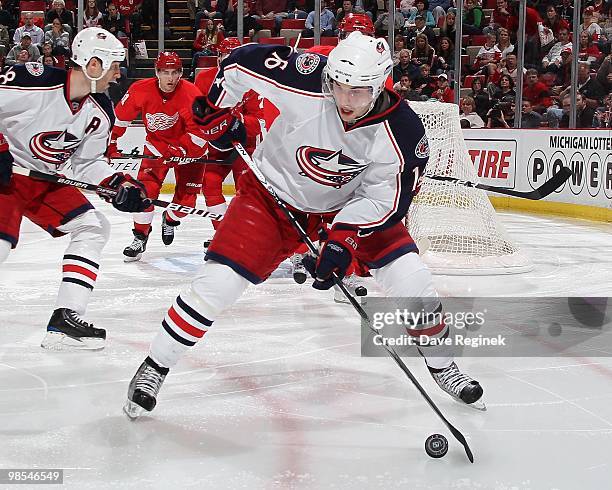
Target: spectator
(591,90)
(584,114)
(555,114)
(113,21)
(445,60)
(509,66)
(423,53)
(328,22)
(468,108)
(382,22)
(552,60)
(504,88)
(193,6)
(59,38)
(488,53)
(6,18)
(421,28)
(425,83)
(604,74)
(212,9)
(499,18)
(554,21)
(370,7)
(564,73)
(37,35)
(588,51)
(405,67)
(92,17)
(589,23)
(58,11)
(438,9)
(206,43)
(503,42)
(15,55)
(443,92)
(422,7)
(600,7)
(347,8)
(603,114)
(565,9)
(398,44)
(448,28)
(48,60)
(405,90)
(249,22)
(530,119)
(481,98)
(501,115)
(536,92)
(473,18)
(47,50)
(532,34)
(406,8)
(277,10)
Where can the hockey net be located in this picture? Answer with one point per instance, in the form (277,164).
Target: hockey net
(457,225)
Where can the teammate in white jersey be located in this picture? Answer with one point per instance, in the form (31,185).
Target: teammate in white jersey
(343,150)
(51,118)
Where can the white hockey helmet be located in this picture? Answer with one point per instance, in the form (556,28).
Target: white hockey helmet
(95,42)
(359,61)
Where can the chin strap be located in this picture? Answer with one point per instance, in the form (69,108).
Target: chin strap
(94,80)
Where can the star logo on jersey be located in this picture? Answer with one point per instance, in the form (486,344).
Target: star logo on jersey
(327,167)
(54,147)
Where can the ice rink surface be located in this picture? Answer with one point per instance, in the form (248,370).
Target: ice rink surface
(277,395)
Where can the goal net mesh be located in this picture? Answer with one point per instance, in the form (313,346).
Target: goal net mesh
(457,224)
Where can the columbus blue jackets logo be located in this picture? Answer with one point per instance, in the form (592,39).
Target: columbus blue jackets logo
(54,147)
(306,63)
(327,167)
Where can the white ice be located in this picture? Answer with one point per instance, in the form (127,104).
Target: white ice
(277,395)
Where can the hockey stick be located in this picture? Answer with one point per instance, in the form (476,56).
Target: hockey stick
(134,155)
(544,190)
(306,239)
(110,192)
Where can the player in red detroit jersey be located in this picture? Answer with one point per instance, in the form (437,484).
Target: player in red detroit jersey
(250,111)
(165,103)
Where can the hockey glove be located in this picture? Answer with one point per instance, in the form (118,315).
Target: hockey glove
(130,197)
(335,256)
(6,167)
(112,151)
(220,127)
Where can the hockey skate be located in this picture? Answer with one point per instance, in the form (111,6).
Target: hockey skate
(351,283)
(297,269)
(134,251)
(460,386)
(67,331)
(168,229)
(144,387)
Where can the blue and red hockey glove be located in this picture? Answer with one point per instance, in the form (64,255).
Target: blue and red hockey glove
(131,196)
(220,127)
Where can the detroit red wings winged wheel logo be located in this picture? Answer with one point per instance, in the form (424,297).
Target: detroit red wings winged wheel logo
(327,167)
(54,147)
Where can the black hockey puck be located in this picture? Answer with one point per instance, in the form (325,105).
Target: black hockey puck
(207,243)
(361,291)
(299,277)
(436,445)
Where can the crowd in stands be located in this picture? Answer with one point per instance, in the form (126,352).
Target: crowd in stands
(424,46)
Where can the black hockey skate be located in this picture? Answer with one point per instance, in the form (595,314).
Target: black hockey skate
(134,251)
(168,229)
(67,331)
(460,386)
(144,387)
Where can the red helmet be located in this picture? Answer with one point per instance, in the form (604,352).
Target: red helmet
(168,60)
(355,22)
(228,45)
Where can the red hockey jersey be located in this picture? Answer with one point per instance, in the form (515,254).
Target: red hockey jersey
(167,117)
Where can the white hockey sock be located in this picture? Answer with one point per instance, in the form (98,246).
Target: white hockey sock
(408,277)
(214,289)
(89,233)
(145,218)
(217,208)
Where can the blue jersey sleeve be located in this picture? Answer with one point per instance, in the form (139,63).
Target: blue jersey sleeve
(275,72)
(32,75)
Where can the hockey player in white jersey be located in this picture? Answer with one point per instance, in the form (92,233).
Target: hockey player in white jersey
(51,118)
(344,150)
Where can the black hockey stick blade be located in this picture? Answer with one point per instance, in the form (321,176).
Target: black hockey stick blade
(544,190)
